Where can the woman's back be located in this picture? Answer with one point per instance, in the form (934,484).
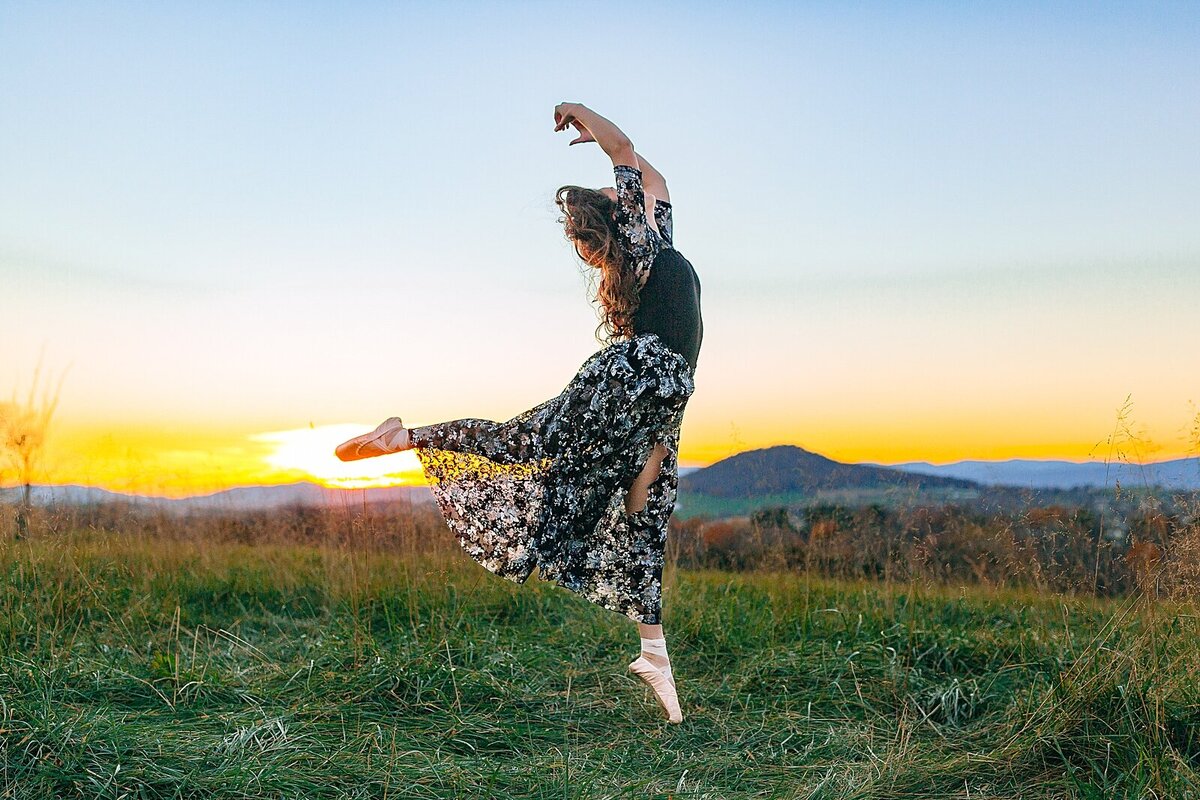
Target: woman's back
(669,288)
(669,304)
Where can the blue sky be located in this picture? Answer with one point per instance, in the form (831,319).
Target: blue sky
(270,214)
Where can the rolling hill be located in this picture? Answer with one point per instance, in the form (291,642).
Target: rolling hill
(786,475)
(786,469)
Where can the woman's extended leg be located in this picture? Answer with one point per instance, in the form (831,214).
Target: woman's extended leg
(519,440)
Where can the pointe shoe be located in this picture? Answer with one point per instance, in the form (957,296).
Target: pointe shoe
(386,438)
(664,687)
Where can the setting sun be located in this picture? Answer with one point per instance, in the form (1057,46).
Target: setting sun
(310,450)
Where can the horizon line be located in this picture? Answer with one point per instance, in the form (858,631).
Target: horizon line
(313,481)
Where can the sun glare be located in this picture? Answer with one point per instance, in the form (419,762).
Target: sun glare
(310,450)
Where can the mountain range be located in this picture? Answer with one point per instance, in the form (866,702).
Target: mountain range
(240,498)
(1181,473)
(782,471)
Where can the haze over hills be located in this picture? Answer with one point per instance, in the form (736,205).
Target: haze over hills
(237,499)
(1181,473)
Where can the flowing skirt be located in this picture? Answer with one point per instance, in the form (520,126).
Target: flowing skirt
(547,488)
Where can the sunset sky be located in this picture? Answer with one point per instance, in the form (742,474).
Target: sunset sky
(241,233)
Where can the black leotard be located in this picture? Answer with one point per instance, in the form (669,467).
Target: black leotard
(668,287)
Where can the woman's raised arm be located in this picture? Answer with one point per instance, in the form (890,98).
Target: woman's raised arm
(594,128)
(655,183)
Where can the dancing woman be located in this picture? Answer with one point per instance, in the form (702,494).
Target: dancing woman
(583,485)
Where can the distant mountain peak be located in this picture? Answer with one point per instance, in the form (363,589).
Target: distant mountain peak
(788,468)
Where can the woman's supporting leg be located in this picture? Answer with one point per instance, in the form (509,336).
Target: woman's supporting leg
(635,498)
(658,470)
(654,668)
(654,647)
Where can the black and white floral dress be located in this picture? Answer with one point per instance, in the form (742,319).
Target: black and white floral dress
(547,488)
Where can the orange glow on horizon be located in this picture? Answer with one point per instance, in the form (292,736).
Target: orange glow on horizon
(179,461)
(175,461)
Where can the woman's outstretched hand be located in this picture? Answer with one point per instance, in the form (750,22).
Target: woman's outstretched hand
(594,128)
(564,115)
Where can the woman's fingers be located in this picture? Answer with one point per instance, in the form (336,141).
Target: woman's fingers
(563,114)
(584,134)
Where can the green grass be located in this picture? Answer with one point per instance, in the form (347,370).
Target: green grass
(142,668)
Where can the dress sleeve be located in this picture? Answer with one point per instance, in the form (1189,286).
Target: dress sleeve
(662,218)
(640,241)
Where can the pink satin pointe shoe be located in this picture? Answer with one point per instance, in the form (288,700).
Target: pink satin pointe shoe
(388,437)
(663,687)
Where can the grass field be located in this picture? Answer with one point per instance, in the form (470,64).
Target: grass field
(140,667)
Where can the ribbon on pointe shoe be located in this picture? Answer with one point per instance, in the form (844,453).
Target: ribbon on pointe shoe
(390,439)
(663,687)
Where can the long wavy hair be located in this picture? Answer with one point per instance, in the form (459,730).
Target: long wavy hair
(590,225)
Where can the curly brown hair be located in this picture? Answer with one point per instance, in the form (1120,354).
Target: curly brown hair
(590,224)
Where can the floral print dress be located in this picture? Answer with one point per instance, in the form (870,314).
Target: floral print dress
(547,488)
